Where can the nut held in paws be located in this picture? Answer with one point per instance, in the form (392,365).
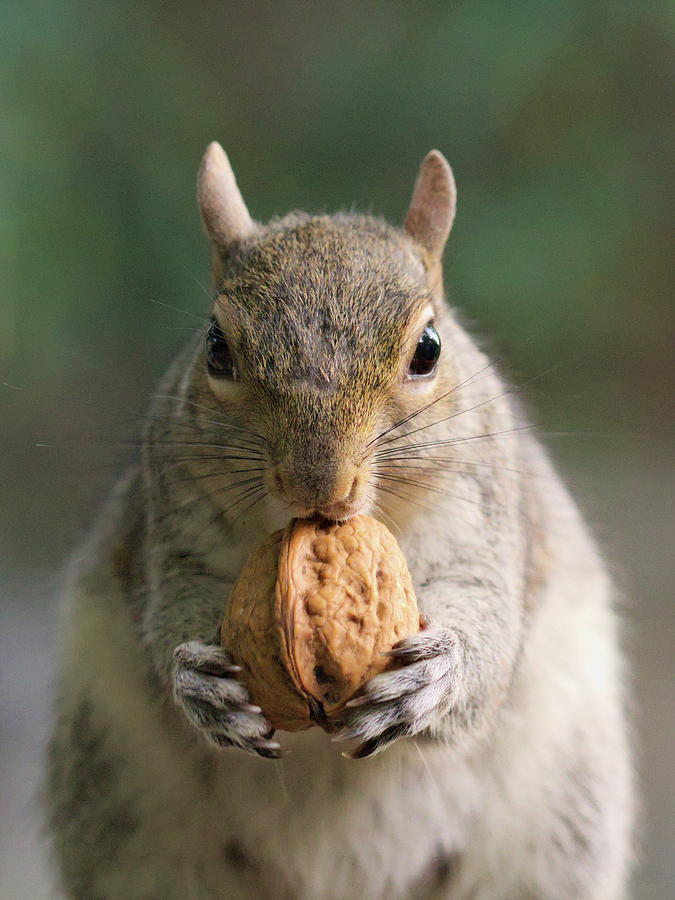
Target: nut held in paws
(312,612)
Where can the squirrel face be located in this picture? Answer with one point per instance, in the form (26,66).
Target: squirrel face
(325,332)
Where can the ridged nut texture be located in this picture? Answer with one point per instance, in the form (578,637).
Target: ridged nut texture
(311,614)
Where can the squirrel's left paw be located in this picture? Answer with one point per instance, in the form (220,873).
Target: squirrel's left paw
(404,701)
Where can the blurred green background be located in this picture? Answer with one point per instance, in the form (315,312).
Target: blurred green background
(557,119)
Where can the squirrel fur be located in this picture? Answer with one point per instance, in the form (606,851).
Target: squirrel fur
(494,762)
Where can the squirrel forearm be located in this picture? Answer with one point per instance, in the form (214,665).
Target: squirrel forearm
(484,618)
(186,603)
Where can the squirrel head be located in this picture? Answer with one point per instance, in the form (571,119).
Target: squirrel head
(324,332)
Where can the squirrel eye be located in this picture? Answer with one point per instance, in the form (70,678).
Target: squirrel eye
(218,356)
(426,353)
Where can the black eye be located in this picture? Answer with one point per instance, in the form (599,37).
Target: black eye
(426,353)
(218,356)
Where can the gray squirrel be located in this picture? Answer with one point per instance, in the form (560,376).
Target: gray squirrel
(493,761)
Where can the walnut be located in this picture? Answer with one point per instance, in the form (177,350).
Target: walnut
(313,610)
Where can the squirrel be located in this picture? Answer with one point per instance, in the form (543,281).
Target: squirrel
(333,378)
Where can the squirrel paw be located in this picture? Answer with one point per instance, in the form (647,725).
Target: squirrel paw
(206,689)
(404,701)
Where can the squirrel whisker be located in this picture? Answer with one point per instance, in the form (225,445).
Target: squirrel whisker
(219,419)
(243,495)
(221,490)
(382,512)
(415,501)
(512,389)
(434,469)
(222,473)
(428,405)
(460,440)
(190,444)
(429,487)
(250,506)
(218,425)
(454,415)
(210,461)
(215,456)
(222,513)
(186,312)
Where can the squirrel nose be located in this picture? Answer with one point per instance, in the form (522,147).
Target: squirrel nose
(321,490)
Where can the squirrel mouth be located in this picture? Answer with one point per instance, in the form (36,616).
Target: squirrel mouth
(335,512)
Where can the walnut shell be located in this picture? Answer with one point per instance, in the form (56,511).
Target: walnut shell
(312,611)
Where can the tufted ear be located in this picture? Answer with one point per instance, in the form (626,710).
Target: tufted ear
(222,207)
(432,208)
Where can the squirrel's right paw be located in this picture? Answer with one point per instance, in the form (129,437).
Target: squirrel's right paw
(206,689)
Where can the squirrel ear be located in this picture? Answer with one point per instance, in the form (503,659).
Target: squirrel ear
(432,208)
(223,210)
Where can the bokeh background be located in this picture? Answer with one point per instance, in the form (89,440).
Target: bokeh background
(557,118)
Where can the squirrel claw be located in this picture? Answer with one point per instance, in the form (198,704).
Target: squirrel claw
(216,703)
(358,701)
(268,749)
(267,745)
(268,754)
(426,644)
(405,700)
(375,745)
